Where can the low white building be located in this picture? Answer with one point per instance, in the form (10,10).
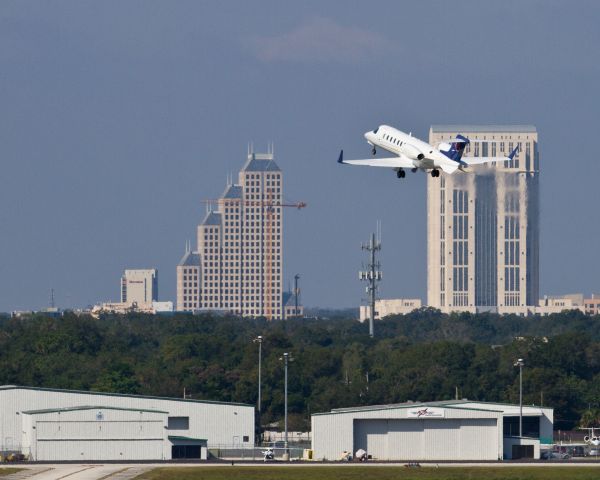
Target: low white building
(434,431)
(390,306)
(55,425)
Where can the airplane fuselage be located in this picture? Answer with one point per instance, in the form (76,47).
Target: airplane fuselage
(411,153)
(422,155)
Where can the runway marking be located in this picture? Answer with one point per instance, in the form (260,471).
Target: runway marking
(111,474)
(127,473)
(78,471)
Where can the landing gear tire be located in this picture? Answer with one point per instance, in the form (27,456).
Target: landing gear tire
(373,151)
(414,170)
(435,172)
(401,173)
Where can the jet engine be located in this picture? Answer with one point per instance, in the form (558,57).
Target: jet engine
(413,152)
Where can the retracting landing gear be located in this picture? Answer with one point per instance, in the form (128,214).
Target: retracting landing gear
(401,173)
(435,172)
(373,151)
(414,170)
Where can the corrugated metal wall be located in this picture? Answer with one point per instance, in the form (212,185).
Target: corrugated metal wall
(96,434)
(219,423)
(439,439)
(389,434)
(99,450)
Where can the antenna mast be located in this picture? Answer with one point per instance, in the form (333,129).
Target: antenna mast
(296,293)
(373,275)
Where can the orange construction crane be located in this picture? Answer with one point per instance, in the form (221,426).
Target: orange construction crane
(269,204)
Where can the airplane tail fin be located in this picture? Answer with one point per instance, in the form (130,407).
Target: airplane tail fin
(454,151)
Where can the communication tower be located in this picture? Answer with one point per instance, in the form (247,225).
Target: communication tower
(372,274)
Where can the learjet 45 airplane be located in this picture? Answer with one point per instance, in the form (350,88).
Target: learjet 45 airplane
(416,154)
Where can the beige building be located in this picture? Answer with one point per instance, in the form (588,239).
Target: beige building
(392,306)
(139,287)
(240,246)
(188,282)
(482,228)
(559,303)
(592,305)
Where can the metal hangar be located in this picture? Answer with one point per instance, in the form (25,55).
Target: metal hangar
(435,431)
(55,425)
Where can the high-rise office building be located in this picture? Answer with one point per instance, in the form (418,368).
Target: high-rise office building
(483,228)
(139,287)
(240,244)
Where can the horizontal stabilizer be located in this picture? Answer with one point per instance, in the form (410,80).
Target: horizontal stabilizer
(482,160)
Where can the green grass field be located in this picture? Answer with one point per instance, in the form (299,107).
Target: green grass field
(375,473)
(8,470)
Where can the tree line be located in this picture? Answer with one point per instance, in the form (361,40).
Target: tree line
(423,356)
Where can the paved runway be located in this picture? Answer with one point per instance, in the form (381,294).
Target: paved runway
(130,471)
(79,472)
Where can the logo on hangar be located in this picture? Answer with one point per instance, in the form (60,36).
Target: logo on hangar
(426,412)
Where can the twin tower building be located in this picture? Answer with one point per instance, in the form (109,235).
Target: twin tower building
(237,264)
(482,234)
(483,228)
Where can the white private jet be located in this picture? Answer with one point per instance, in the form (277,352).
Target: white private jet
(416,154)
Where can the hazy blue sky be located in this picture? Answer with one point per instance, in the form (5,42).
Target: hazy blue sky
(118,117)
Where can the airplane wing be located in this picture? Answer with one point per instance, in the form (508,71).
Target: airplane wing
(481,160)
(393,162)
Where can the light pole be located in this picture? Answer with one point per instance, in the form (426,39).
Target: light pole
(259,340)
(520,363)
(286,358)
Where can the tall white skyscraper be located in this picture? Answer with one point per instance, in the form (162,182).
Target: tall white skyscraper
(483,228)
(240,244)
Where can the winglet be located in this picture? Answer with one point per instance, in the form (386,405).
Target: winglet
(514,152)
(341,157)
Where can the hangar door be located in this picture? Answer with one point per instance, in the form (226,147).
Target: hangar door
(80,450)
(99,440)
(431,439)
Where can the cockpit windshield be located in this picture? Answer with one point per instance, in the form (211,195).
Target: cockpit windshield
(375,131)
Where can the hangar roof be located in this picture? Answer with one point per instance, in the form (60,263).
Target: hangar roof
(464,404)
(96,407)
(107,394)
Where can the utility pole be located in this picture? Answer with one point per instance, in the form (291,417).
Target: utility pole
(258,423)
(296,292)
(372,274)
(520,363)
(286,358)
(259,340)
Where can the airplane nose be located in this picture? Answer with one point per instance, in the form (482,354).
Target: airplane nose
(368,134)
